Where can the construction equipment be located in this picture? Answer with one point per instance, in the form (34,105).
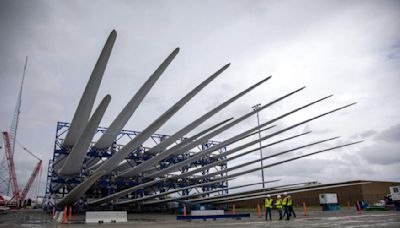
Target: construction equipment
(11,167)
(36,171)
(19,195)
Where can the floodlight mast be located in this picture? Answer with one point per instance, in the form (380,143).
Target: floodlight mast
(256,107)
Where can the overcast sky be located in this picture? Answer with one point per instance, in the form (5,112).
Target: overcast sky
(347,48)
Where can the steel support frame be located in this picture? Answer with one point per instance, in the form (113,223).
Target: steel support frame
(137,156)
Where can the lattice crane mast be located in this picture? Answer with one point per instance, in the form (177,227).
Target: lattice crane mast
(11,167)
(34,174)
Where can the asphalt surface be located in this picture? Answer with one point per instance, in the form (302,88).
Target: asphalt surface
(315,218)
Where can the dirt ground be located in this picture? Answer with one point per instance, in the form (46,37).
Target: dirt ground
(316,218)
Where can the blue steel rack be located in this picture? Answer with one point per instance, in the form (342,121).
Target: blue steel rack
(58,186)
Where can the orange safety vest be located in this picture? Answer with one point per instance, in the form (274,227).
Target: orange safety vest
(268,203)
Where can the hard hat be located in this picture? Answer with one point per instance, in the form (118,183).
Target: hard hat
(285,193)
(268,195)
(278,196)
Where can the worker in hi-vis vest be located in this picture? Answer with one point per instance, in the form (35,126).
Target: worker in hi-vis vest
(290,207)
(284,204)
(278,205)
(268,207)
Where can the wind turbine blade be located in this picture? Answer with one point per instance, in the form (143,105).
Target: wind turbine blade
(234,139)
(154,169)
(74,161)
(154,160)
(210,129)
(113,162)
(201,193)
(169,192)
(164,144)
(183,197)
(313,188)
(127,191)
(85,105)
(251,192)
(185,142)
(289,160)
(79,190)
(213,164)
(265,158)
(125,165)
(116,126)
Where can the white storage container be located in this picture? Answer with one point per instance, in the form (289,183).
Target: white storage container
(328,198)
(395,192)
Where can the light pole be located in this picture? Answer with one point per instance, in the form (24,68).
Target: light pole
(255,107)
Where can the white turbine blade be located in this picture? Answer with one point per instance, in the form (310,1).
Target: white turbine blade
(154,160)
(79,190)
(213,164)
(210,129)
(116,126)
(125,192)
(202,193)
(197,156)
(125,165)
(158,201)
(85,106)
(131,171)
(251,192)
(169,141)
(169,192)
(127,168)
(288,160)
(164,144)
(266,158)
(290,192)
(113,162)
(73,162)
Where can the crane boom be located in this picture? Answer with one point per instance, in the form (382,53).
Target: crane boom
(14,124)
(31,179)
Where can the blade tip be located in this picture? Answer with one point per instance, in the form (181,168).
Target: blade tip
(113,33)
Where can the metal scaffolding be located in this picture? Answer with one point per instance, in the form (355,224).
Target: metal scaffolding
(58,185)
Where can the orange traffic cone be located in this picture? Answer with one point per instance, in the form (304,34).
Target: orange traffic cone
(305,209)
(65,215)
(184,210)
(234,209)
(259,210)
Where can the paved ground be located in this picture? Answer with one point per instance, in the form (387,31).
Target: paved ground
(316,218)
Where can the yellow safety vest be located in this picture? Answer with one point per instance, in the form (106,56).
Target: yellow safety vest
(278,203)
(284,201)
(268,203)
(290,202)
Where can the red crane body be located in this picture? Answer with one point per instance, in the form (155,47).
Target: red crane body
(11,166)
(31,180)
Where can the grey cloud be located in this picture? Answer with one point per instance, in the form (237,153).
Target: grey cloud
(390,135)
(383,154)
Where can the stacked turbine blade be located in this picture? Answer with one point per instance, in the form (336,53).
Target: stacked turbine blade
(147,174)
